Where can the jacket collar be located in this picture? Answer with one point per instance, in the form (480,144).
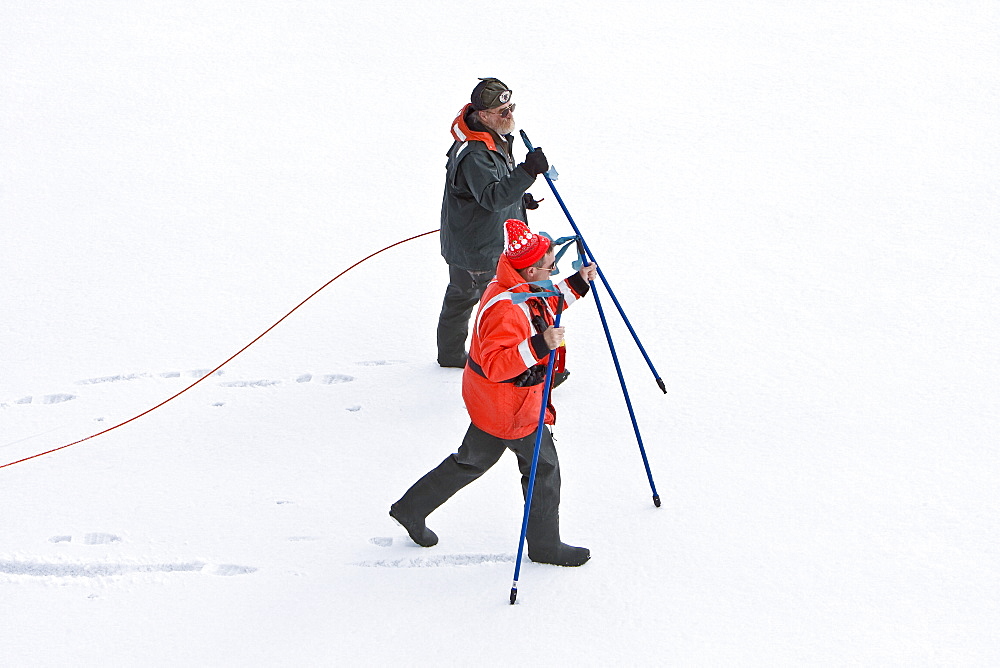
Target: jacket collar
(508,277)
(462,132)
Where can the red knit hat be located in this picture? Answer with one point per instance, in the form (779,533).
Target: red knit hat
(524,248)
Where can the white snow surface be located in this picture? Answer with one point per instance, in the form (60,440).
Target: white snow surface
(796,204)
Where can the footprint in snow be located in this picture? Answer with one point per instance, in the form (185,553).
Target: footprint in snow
(250,383)
(89,539)
(325,379)
(47,399)
(227,570)
(100,569)
(197,373)
(39,568)
(336,378)
(439,561)
(112,379)
(322,379)
(433,561)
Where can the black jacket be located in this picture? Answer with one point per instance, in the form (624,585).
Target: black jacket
(482,190)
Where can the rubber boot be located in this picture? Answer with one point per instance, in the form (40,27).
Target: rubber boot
(478,453)
(415,527)
(545,546)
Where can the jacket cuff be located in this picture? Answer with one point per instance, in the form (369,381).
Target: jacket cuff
(539,347)
(579,285)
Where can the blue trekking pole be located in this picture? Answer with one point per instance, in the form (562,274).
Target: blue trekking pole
(584,252)
(621,380)
(659,381)
(534,456)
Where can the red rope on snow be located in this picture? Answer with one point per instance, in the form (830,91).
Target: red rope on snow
(231,358)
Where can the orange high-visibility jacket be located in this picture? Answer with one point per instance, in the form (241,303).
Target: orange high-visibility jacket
(505,344)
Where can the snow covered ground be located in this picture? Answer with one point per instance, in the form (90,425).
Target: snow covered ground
(796,203)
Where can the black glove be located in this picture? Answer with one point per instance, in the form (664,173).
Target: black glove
(530,202)
(535,163)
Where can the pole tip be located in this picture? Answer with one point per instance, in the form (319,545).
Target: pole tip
(513,595)
(659,381)
(656,500)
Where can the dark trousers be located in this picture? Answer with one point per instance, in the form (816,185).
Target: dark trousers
(478,453)
(463,293)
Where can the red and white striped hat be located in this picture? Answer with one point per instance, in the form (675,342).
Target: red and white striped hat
(524,248)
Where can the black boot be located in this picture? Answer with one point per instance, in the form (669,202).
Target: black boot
(456,363)
(479,451)
(559,555)
(416,528)
(545,546)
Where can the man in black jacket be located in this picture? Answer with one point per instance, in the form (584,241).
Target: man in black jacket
(483,189)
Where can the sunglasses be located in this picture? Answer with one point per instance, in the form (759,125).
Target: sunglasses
(505,112)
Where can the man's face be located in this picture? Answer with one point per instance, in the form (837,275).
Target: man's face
(500,120)
(548,264)
(549,260)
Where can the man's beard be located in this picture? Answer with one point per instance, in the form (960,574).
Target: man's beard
(502,126)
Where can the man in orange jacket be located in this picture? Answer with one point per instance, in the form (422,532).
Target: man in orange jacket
(502,386)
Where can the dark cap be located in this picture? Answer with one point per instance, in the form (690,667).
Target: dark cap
(490,93)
